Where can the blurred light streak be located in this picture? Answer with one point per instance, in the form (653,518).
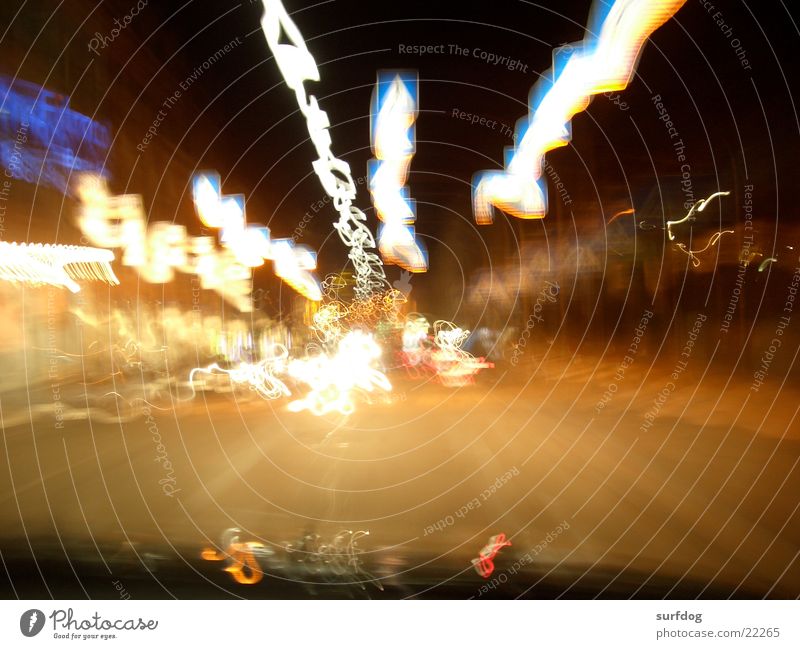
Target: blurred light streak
(328,321)
(227,214)
(292,264)
(337,315)
(484,564)
(415,334)
(335,380)
(42,140)
(699,206)
(158,250)
(394,111)
(603,62)
(56,265)
(297,65)
(251,245)
(765,263)
(622,213)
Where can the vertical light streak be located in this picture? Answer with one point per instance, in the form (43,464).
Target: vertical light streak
(394,111)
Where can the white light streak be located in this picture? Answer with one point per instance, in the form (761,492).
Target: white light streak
(56,265)
(604,61)
(699,206)
(297,66)
(766,263)
(156,252)
(251,245)
(260,377)
(394,112)
(336,380)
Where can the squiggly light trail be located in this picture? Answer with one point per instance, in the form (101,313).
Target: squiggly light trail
(57,265)
(699,206)
(241,557)
(766,263)
(454,366)
(712,240)
(259,376)
(297,66)
(604,61)
(394,111)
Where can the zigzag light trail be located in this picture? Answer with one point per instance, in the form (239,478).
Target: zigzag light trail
(603,62)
